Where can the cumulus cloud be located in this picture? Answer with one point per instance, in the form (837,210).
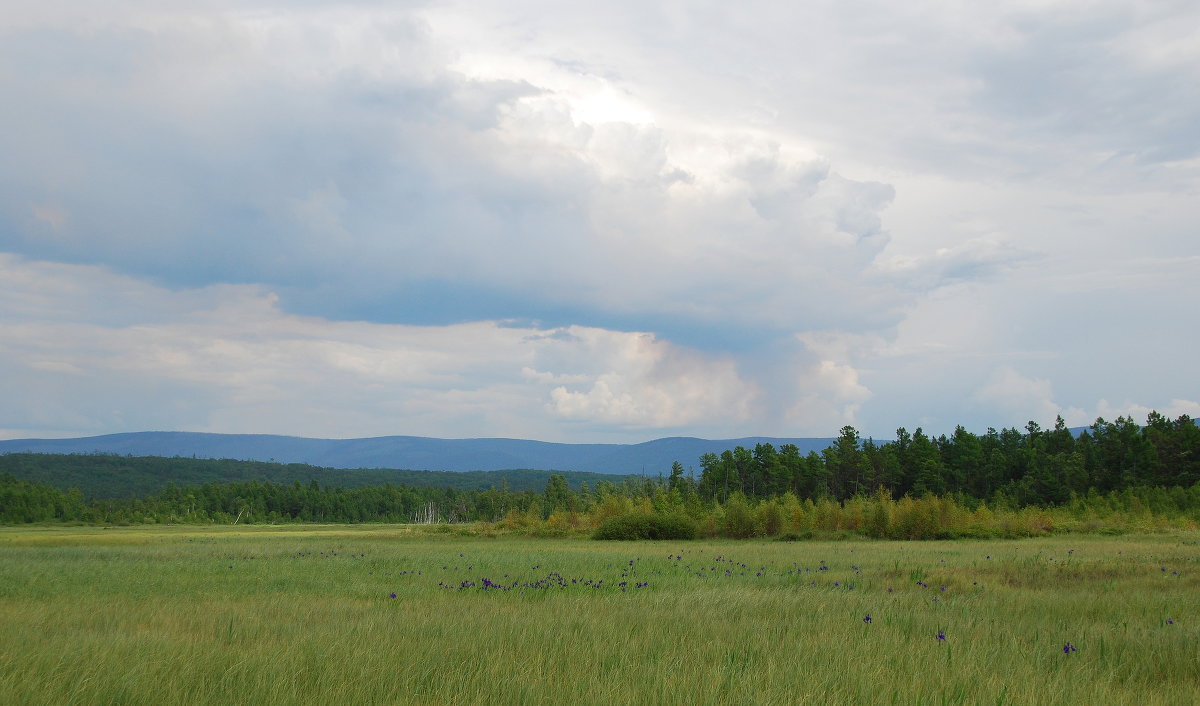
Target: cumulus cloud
(339,157)
(1016,394)
(226,358)
(828,394)
(547,219)
(658,385)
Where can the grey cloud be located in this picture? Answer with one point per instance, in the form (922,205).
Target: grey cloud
(347,159)
(978,91)
(978,258)
(228,359)
(169,159)
(1065,78)
(204,191)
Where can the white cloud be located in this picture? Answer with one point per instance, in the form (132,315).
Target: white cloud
(829,394)
(1012,392)
(767,218)
(339,155)
(658,385)
(227,359)
(1016,394)
(1132,410)
(975,259)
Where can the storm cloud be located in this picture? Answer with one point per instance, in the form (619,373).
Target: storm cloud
(524,219)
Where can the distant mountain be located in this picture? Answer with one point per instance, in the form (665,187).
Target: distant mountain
(410,452)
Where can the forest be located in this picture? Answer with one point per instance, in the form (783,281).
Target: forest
(1009,483)
(1009,467)
(107,475)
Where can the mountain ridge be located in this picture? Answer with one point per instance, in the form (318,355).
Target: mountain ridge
(411,452)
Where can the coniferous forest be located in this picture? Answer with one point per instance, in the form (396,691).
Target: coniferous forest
(1011,482)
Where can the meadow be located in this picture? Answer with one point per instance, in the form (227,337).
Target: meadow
(381,614)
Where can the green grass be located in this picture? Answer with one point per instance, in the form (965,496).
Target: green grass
(302,614)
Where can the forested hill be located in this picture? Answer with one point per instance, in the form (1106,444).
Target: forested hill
(1031,467)
(415,452)
(101,476)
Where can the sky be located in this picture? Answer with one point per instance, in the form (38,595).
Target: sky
(596,222)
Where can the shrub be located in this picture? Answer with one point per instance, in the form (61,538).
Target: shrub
(770,517)
(630,527)
(739,520)
(678,526)
(612,506)
(624,527)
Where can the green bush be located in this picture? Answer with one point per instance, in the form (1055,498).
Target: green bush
(630,527)
(672,527)
(739,520)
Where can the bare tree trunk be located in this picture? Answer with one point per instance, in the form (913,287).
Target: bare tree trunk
(427,515)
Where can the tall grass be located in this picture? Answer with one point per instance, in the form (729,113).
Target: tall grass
(304,615)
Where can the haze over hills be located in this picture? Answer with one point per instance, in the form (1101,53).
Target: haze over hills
(411,452)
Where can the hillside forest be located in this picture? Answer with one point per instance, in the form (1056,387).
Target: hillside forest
(1111,476)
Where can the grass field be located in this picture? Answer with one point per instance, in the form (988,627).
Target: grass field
(240,615)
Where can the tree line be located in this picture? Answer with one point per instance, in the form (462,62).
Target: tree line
(1000,483)
(109,475)
(23,501)
(1009,467)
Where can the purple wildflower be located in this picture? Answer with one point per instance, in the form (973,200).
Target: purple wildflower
(393,594)
(1069,648)
(867,618)
(941,635)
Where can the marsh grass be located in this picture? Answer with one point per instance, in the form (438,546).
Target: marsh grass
(304,615)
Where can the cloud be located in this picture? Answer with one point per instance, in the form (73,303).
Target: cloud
(1131,410)
(1009,91)
(1011,391)
(830,394)
(226,358)
(1109,80)
(558,220)
(338,157)
(659,385)
(1017,394)
(975,259)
